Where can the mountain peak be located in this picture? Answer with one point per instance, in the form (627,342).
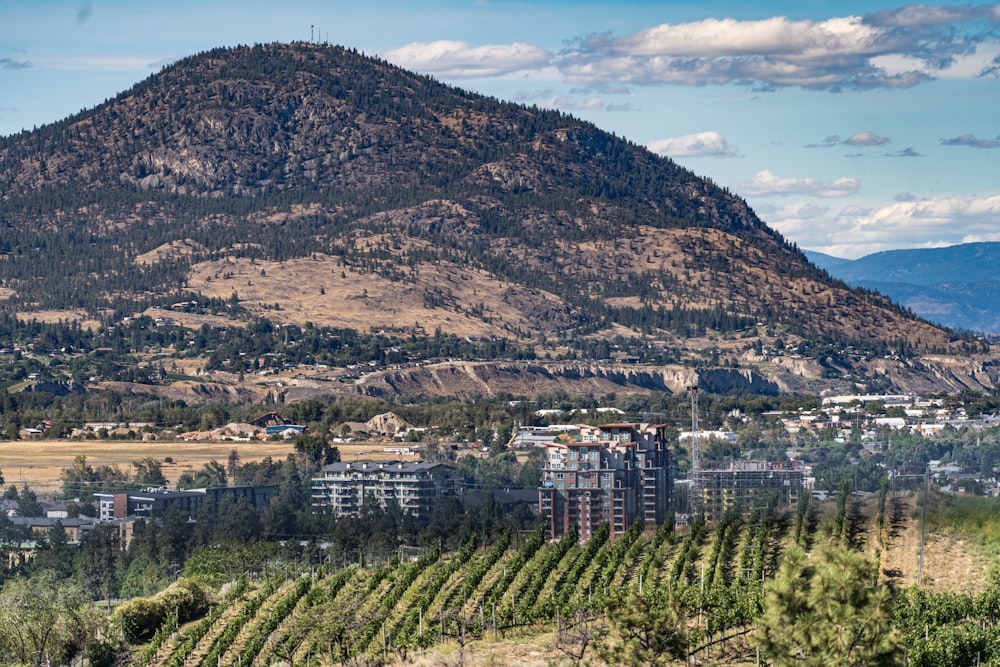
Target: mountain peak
(476,215)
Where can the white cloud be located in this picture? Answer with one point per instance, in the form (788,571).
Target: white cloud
(905,223)
(940,215)
(765,184)
(795,221)
(973,141)
(460,59)
(727,37)
(568,103)
(703,144)
(866,139)
(888,49)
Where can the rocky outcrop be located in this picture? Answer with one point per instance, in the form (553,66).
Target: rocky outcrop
(469,380)
(56,388)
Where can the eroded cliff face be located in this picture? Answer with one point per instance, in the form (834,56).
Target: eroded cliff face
(934,374)
(468,380)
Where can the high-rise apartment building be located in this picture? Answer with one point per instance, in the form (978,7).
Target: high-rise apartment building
(614,473)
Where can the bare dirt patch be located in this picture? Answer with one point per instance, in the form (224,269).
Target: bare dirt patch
(172,250)
(951,562)
(56,316)
(38,463)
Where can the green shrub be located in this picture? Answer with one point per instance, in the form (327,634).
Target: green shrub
(141,617)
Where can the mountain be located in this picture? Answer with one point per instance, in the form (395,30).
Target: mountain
(314,185)
(957,286)
(828,263)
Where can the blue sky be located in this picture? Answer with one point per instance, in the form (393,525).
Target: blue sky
(851,127)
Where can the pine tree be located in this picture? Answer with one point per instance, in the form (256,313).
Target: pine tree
(823,610)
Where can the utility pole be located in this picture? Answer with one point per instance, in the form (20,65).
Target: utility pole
(923,525)
(694,496)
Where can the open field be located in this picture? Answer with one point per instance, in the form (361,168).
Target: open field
(38,463)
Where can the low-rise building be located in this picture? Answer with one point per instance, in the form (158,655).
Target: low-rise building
(418,488)
(153,503)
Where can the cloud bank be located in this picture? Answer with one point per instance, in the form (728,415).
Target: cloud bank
(835,54)
(461,60)
(904,223)
(703,144)
(971,140)
(765,184)
(890,48)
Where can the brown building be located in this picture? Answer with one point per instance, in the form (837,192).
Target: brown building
(614,473)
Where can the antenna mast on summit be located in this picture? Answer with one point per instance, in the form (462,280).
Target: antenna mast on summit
(312,34)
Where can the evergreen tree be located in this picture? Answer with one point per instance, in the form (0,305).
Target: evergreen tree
(823,609)
(646,629)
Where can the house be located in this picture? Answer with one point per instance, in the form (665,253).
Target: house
(42,526)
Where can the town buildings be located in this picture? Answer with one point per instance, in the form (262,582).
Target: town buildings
(418,488)
(153,503)
(614,473)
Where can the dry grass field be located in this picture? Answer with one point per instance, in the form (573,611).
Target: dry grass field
(38,463)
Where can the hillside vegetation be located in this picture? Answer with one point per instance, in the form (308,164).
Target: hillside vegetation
(477,601)
(420,206)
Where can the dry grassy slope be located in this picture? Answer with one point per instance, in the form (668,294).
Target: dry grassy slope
(324,291)
(952,562)
(690,268)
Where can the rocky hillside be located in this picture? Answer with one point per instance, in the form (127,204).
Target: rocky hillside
(309,183)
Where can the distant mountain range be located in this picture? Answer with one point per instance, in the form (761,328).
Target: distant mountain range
(957,286)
